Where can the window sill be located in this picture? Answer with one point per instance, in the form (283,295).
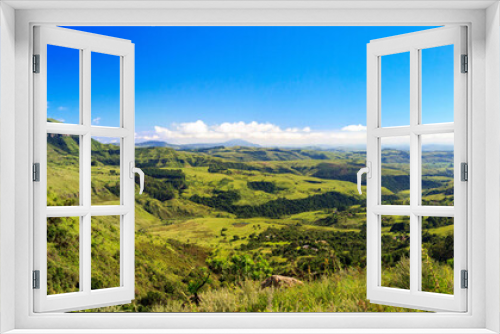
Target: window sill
(251,331)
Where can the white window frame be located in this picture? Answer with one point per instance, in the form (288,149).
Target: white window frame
(16,216)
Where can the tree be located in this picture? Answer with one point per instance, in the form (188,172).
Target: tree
(202,277)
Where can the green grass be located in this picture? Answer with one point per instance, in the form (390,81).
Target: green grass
(343,291)
(443,230)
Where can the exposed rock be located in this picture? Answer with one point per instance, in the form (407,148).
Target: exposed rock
(278,281)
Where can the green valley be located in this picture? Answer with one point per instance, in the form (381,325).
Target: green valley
(213,223)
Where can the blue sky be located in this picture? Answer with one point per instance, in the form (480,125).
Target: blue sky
(276,85)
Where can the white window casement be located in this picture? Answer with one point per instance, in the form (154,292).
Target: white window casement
(472,27)
(414,45)
(86,44)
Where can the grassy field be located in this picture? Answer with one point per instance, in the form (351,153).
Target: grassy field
(213,223)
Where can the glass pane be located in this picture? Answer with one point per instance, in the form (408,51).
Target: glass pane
(437,254)
(105,171)
(395,251)
(105,252)
(437,84)
(437,169)
(395,170)
(63,170)
(105,90)
(395,89)
(63,255)
(63,84)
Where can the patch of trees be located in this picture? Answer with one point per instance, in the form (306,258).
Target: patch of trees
(400,227)
(113,188)
(106,154)
(163,184)
(207,149)
(396,183)
(332,220)
(394,248)
(175,177)
(439,248)
(314,252)
(158,189)
(224,200)
(315,155)
(311,252)
(446,191)
(214,168)
(266,186)
(433,222)
(430,184)
(333,171)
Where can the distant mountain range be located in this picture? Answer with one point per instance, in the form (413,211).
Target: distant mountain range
(244,143)
(229,143)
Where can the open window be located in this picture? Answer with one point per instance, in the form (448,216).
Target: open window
(94,231)
(401,75)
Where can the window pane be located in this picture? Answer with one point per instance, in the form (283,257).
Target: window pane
(437,84)
(395,170)
(105,171)
(63,255)
(105,252)
(395,251)
(395,89)
(105,90)
(437,169)
(63,170)
(63,84)
(437,254)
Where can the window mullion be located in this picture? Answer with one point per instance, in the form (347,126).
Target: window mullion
(415,247)
(86,174)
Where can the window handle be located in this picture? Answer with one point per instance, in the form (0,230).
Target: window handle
(134,170)
(368,171)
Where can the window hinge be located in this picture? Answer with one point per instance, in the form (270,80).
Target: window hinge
(36,63)
(464,171)
(465,279)
(36,279)
(36,172)
(465,64)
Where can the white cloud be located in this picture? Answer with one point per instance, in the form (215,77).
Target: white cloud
(61,108)
(107,140)
(96,120)
(438,139)
(255,132)
(354,128)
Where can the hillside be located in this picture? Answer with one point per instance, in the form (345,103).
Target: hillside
(233,216)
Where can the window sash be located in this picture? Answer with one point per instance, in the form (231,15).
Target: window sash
(85,298)
(414,298)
